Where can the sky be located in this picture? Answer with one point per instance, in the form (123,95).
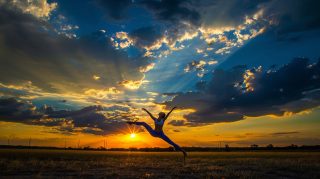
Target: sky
(240,72)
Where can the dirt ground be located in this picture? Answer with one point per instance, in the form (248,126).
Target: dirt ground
(26,163)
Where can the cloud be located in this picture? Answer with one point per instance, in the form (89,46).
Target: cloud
(130,84)
(158,41)
(38,8)
(25,90)
(178,25)
(147,68)
(199,66)
(103,93)
(13,110)
(286,17)
(95,77)
(294,16)
(177,122)
(90,119)
(219,14)
(246,19)
(285,133)
(206,12)
(146,36)
(172,10)
(232,95)
(122,40)
(56,63)
(212,62)
(185,20)
(195,65)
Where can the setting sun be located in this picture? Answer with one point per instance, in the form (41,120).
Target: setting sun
(132,135)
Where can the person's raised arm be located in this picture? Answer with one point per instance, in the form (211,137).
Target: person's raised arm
(153,118)
(169,112)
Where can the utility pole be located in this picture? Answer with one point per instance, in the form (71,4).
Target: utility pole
(65,143)
(30,142)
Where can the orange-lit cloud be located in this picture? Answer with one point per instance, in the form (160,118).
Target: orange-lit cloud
(95,77)
(147,68)
(104,93)
(133,85)
(38,8)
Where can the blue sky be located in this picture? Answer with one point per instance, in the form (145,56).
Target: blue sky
(87,66)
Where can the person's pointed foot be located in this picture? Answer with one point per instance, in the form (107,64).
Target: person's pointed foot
(184,156)
(184,153)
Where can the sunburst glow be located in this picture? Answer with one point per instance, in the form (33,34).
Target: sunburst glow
(132,135)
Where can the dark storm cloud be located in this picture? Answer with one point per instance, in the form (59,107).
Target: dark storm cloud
(194,12)
(87,120)
(145,36)
(90,119)
(293,33)
(295,15)
(32,51)
(221,13)
(116,10)
(289,16)
(13,110)
(172,10)
(229,97)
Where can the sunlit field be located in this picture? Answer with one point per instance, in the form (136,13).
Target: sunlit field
(105,164)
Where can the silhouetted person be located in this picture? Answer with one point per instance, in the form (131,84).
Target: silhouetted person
(158,132)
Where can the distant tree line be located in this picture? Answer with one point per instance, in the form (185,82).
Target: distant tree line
(253,147)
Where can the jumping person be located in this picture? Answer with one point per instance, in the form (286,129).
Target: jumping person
(158,132)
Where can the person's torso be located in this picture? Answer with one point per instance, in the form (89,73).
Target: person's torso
(158,124)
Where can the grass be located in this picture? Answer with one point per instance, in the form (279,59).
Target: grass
(98,164)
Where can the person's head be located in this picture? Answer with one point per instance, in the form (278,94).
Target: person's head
(162,114)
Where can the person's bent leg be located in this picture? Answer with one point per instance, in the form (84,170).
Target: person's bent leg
(149,129)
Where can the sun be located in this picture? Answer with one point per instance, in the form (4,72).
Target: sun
(132,135)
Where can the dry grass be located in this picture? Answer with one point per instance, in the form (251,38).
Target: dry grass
(97,164)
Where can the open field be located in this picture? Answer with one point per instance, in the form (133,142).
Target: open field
(104,164)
